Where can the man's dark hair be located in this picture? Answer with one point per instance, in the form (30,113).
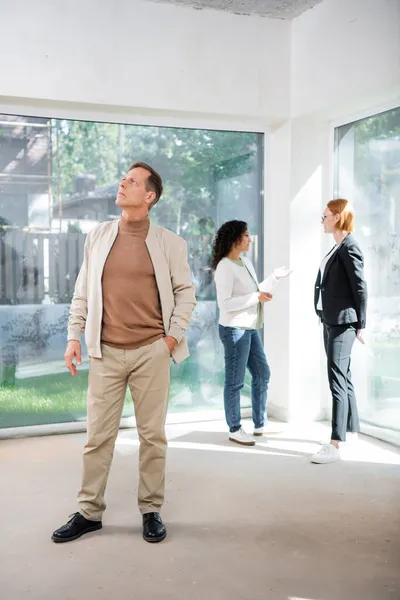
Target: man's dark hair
(154,181)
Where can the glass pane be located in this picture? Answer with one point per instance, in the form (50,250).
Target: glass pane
(58,180)
(368,173)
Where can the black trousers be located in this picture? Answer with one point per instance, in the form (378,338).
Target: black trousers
(338,341)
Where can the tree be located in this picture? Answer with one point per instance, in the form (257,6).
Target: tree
(191,161)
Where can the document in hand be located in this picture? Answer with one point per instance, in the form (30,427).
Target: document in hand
(268,284)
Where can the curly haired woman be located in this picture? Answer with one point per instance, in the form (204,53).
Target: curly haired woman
(240,303)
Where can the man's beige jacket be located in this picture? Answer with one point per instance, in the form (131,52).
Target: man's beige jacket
(168,253)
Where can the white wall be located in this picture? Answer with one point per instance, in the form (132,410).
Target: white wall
(277,253)
(145,56)
(345,60)
(296,184)
(345,53)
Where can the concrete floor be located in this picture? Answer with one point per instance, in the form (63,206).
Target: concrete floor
(256,523)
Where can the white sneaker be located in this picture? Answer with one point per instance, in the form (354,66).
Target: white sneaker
(258,431)
(241,437)
(328,454)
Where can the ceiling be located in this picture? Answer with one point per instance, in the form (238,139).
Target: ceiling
(278,9)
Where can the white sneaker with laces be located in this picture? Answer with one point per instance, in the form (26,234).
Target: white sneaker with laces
(328,454)
(241,437)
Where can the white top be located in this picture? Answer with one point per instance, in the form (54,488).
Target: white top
(322,270)
(237,293)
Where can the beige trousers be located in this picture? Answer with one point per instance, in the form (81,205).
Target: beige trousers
(147,372)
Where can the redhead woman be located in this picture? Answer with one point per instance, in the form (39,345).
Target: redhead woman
(341,303)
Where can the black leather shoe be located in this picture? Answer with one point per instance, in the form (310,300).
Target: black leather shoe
(154,529)
(75,527)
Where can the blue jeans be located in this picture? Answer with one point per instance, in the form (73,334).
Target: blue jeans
(243,348)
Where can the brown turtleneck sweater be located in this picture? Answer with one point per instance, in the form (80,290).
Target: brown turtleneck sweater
(132,315)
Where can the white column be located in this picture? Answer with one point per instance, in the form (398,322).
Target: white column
(310,190)
(297,187)
(276,253)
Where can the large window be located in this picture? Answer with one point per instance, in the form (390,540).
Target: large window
(58,179)
(368,173)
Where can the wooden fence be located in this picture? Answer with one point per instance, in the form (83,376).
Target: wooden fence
(39,266)
(42,267)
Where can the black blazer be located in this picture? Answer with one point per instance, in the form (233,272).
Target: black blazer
(343,287)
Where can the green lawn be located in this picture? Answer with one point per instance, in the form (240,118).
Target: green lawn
(61,398)
(45,399)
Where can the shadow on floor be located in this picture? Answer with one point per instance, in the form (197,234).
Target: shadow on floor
(220,441)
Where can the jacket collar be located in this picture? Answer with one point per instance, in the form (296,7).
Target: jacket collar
(249,266)
(328,265)
(346,240)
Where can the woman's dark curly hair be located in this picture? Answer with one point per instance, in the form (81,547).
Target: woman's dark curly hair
(228,235)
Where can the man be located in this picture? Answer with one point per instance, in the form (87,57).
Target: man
(134,299)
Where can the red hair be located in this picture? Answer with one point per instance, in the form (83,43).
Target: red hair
(344,209)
